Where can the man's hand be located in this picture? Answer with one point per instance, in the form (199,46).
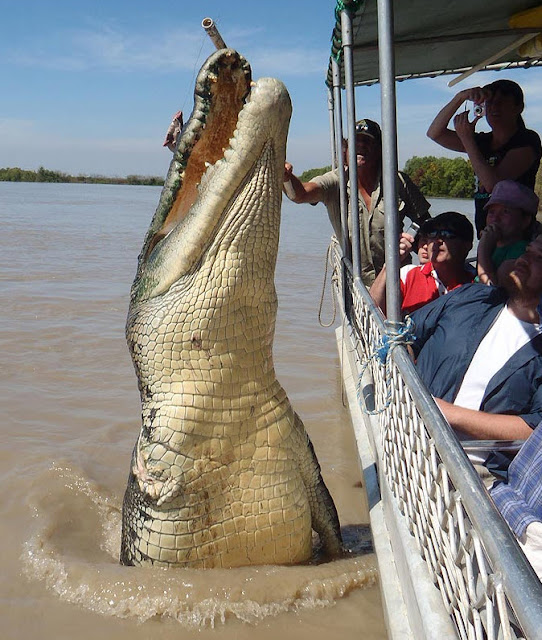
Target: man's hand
(491,234)
(288,170)
(476,94)
(489,237)
(406,242)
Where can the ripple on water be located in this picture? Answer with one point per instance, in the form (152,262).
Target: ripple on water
(75,546)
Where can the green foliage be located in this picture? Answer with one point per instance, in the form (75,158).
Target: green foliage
(307,175)
(441,177)
(15,174)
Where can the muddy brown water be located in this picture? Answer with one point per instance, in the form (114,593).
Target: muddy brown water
(71,416)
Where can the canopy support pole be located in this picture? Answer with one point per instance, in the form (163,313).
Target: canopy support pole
(346,30)
(346,245)
(389,157)
(332,131)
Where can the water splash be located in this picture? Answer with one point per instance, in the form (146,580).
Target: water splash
(74,551)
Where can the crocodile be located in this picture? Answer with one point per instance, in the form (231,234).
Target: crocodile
(223,473)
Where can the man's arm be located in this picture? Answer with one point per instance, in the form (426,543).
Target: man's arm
(378,288)
(480,425)
(303,192)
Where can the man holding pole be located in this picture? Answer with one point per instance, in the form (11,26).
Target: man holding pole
(325,188)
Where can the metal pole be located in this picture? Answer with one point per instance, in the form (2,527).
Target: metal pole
(389,157)
(346,34)
(332,139)
(337,108)
(213,33)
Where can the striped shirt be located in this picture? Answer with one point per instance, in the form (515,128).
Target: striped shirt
(520,499)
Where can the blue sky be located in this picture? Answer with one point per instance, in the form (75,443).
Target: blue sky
(91,87)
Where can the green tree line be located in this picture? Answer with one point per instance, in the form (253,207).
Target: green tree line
(15,174)
(307,175)
(441,177)
(436,177)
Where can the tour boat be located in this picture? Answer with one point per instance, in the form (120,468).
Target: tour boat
(449,565)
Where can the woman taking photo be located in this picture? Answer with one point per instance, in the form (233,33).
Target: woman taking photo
(510,151)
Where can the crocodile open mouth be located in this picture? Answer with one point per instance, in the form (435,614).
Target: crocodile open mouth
(222,88)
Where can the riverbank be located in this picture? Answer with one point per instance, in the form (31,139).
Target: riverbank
(16,174)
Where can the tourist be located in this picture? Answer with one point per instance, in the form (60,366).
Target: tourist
(325,188)
(449,239)
(511,214)
(479,351)
(509,151)
(520,498)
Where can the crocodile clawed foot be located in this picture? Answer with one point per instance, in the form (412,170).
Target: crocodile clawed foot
(160,489)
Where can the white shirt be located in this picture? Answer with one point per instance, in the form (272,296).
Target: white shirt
(506,336)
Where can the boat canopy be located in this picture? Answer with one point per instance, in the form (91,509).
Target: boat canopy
(437,38)
(422,472)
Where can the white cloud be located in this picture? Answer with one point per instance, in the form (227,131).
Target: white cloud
(287,62)
(173,50)
(111,49)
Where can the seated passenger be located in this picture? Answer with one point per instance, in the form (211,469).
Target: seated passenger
(479,351)
(449,240)
(520,498)
(511,212)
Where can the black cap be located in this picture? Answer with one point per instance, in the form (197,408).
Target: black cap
(452,221)
(370,128)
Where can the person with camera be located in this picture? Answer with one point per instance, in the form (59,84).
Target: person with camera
(508,151)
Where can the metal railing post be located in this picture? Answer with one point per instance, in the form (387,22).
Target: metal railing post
(332,132)
(338,121)
(389,157)
(346,30)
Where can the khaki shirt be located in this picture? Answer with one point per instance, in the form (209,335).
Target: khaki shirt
(411,204)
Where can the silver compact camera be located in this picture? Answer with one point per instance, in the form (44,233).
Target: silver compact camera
(479,110)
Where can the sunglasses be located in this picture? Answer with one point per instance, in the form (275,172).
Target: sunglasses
(364,127)
(443,234)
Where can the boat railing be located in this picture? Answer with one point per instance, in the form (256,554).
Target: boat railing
(488,588)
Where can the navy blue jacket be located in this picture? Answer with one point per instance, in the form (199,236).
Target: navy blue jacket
(448,332)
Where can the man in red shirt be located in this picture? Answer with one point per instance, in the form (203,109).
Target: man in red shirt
(449,239)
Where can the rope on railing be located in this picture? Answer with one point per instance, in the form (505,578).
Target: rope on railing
(396,334)
(334,280)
